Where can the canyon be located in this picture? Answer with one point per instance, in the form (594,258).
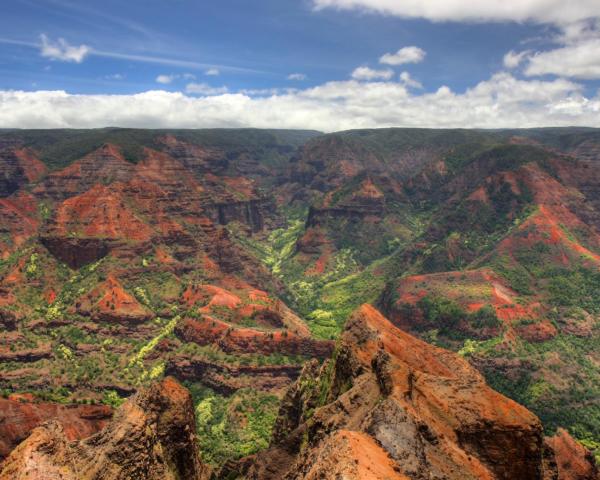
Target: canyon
(393,303)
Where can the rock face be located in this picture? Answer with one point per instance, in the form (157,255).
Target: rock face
(18,167)
(19,416)
(252,213)
(151,437)
(102,166)
(207,331)
(389,406)
(227,379)
(19,222)
(109,302)
(573,461)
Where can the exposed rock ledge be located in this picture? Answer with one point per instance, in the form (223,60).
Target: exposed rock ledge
(391,407)
(151,437)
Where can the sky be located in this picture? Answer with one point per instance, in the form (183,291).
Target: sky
(315,64)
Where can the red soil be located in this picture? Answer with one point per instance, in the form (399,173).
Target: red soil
(20,415)
(572,459)
(100,212)
(208,330)
(444,392)
(19,221)
(32,166)
(472,290)
(109,301)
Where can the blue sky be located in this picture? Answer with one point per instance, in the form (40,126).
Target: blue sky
(244,55)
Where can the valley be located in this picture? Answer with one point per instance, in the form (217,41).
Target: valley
(244,264)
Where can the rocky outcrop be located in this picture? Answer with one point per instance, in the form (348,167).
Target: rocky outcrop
(77,252)
(18,167)
(110,302)
(569,459)
(86,227)
(227,379)
(245,205)
(18,221)
(246,303)
(330,160)
(102,166)
(199,159)
(209,331)
(26,355)
(20,414)
(8,319)
(151,437)
(390,406)
(252,213)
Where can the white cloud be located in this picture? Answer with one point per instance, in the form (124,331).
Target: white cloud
(165,79)
(62,51)
(581,60)
(205,89)
(501,101)
(296,76)
(366,73)
(410,54)
(212,72)
(115,76)
(577,54)
(513,59)
(542,11)
(408,81)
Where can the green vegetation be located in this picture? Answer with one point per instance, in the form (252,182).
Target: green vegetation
(446,316)
(214,354)
(136,363)
(59,148)
(232,427)
(570,400)
(112,399)
(32,268)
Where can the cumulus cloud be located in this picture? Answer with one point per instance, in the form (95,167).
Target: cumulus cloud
(407,80)
(212,72)
(541,11)
(410,54)
(501,101)
(62,51)
(577,54)
(204,89)
(366,73)
(576,61)
(296,76)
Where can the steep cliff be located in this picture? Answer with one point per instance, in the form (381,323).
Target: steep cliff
(389,406)
(20,414)
(150,437)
